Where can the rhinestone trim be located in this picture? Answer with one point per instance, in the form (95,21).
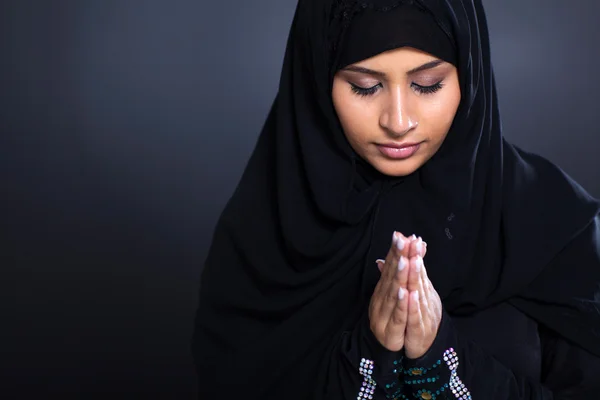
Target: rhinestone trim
(457,387)
(368,386)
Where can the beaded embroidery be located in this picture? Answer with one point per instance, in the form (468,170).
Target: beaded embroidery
(457,387)
(417,376)
(416,372)
(368,386)
(396,385)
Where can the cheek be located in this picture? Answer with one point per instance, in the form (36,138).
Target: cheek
(441,114)
(354,113)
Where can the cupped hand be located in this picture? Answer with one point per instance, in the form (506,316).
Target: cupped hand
(388,309)
(424,313)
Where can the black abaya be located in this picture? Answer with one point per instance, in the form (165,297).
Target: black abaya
(514,248)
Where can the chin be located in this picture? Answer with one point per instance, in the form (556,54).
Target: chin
(397,167)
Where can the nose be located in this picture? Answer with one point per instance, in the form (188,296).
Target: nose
(396,117)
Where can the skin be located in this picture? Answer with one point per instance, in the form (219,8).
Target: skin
(397,112)
(405,309)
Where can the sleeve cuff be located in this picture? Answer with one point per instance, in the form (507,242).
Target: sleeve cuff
(428,377)
(385,365)
(432,376)
(442,342)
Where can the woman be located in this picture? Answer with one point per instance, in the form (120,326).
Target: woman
(384,143)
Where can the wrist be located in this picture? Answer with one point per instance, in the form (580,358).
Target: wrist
(437,346)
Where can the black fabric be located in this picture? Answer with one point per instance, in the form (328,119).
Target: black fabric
(376,30)
(291,268)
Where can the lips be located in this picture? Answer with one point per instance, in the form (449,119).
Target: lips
(398,151)
(399,145)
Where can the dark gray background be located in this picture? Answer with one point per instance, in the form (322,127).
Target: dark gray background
(125,126)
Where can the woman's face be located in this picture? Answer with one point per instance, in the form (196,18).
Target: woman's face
(396,108)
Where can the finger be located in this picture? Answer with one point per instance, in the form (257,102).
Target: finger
(427,285)
(432,294)
(388,272)
(412,248)
(414,321)
(397,326)
(406,249)
(391,261)
(419,247)
(380,264)
(408,254)
(414,274)
(433,298)
(424,294)
(423,249)
(390,298)
(397,250)
(403,275)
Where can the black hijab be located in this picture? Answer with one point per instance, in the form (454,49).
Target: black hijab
(291,266)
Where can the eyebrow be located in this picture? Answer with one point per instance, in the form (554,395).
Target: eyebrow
(362,70)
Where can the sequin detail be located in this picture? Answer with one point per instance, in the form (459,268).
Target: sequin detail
(420,371)
(457,387)
(426,395)
(368,386)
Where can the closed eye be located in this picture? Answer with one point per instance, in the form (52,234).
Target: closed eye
(428,89)
(361,91)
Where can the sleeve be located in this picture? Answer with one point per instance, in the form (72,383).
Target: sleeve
(457,368)
(362,368)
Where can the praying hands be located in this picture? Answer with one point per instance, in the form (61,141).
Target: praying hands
(405,310)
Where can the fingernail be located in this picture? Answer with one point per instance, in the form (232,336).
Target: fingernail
(400,244)
(401,263)
(400,293)
(425,244)
(415,295)
(394,238)
(413,237)
(380,261)
(419,264)
(419,245)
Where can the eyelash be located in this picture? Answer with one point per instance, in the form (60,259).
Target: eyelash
(372,90)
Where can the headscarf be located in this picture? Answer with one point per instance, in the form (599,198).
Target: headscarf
(291,266)
(375,30)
